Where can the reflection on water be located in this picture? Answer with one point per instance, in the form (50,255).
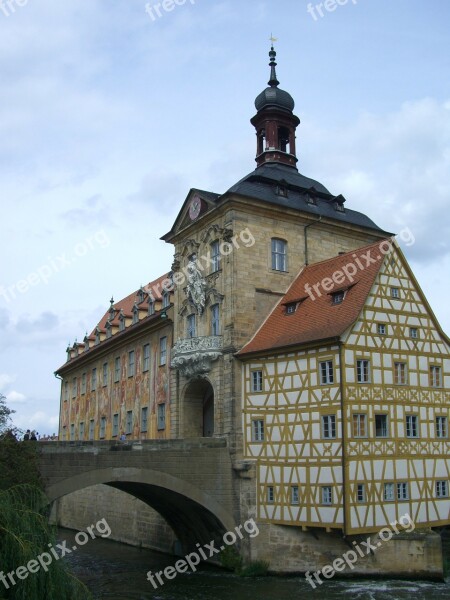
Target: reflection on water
(118,572)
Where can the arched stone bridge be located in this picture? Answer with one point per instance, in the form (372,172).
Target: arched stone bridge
(189,482)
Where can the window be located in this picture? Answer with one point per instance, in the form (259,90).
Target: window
(105,374)
(83,384)
(146,365)
(294,494)
(215,319)
(363,371)
(395,292)
(166,300)
(441,427)
(359,426)
(412,426)
(91,429)
(381,426)
(122,322)
(135,314)
(442,489)
(102,427)
(257,381)
(115,427)
(144,418)
(215,256)
(161,416)
(72,432)
(360,492)
(81,432)
(327,494)
(151,307)
(66,391)
(94,380)
(131,363)
(282,191)
(64,433)
(279,255)
(402,491)
(162,351)
(337,297)
(117,369)
(329,426)
(389,492)
(326,372)
(270,494)
(291,308)
(400,377)
(257,430)
(129,422)
(191,326)
(74,387)
(381,328)
(413,333)
(435,376)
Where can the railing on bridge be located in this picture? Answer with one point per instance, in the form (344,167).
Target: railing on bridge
(100,446)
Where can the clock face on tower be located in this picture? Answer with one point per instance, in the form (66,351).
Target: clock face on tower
(195,207)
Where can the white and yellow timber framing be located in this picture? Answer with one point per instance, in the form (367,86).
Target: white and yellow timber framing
(293,402)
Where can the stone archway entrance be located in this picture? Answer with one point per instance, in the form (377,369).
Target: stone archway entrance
(198,410)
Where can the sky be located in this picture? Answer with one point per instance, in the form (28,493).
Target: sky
(111,110)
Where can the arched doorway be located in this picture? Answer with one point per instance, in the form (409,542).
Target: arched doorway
(198,409)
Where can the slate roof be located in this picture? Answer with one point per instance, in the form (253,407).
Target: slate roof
(316,317)
(261,184)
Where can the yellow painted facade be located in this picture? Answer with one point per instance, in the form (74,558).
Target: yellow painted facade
(348,454)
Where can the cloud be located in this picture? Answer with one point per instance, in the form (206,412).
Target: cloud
(14,397)
(5,381)
(46,321)
(40,421)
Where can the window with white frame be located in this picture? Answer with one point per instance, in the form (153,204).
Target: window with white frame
(441,427)
(105,374)
(381,328)
(395,292)
(328,427)
(270,494)
(435,376)
(389,492)
(327,494)
(215,256)
(144,418)
(257,430)
(102,427)
(131,363)
(363,370)
(279,255)
(326,372)
(294,494)
(94,380)
(360,492)
(191,326)
(256,381)
(412,426)
(442,489)
(162,351)
(91,429)
(400,376)
(161,417)
(146,364)
(215,319)
(413,333)
(402,490)
(129,422)
(360,425)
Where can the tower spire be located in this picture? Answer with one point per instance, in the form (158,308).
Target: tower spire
(273,81)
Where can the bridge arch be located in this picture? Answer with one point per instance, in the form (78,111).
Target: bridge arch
(194,515)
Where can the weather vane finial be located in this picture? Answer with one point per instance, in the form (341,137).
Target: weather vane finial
(273,39)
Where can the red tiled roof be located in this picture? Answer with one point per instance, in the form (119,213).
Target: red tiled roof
(127,303)
(316,317)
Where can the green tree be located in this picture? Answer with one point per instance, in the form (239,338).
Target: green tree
(5,415)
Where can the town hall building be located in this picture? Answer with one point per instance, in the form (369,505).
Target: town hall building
(293,327)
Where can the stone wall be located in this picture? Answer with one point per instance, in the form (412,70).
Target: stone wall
(131,521)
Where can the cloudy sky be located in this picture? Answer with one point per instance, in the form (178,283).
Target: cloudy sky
(109,115)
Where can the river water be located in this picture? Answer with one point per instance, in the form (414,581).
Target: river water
(116,571)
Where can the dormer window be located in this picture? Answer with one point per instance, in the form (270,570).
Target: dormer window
(282,190)
(339,207)
(291,308)
(310,200)
(165,300)
(151,306)
(86,343)
(121,321)
(108,330)
(135,314)
(140,296)
(338,297)
(97,336)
